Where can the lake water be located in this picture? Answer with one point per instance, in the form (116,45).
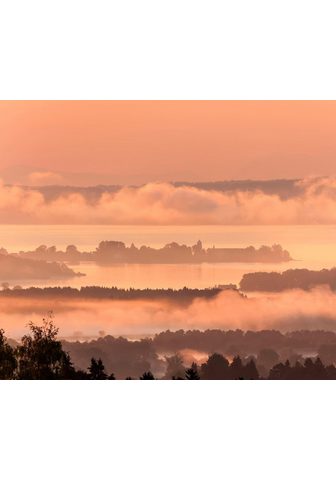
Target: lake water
(311,246)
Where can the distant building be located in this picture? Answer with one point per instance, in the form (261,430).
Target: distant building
(229,286)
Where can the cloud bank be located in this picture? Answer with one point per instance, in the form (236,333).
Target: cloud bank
(166,204)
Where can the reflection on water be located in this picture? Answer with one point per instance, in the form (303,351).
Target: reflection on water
(312,246)
(160,276)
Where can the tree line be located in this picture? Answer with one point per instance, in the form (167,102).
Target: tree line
(301,278)
(111,251)
(112,293)
(41,356)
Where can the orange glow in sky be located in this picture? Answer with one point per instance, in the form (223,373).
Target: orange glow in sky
(140,141)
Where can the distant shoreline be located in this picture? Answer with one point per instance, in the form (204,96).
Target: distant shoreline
(112,252)
(114,293)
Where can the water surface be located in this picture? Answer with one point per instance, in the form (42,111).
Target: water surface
(312,247)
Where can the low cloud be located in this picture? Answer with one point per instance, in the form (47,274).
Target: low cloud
(45,178)
(286,311)
(166,204)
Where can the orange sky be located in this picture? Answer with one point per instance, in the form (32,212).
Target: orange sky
(89,142)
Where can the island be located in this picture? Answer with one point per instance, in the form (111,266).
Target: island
(301,278)
(16,268)
(111,251)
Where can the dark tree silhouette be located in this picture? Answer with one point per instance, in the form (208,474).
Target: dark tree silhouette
(8,361)
(41,356)
(310,370)
(147,376)
(216,368)
(280,371)
(192,372)
(319,370)
(250,371)
(81,375)
(97,370)
(236,369)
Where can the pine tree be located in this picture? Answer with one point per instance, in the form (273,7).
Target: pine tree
(192,372)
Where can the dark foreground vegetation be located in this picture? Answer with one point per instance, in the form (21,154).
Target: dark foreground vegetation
(42,356)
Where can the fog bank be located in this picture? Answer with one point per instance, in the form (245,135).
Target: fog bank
(290,310)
